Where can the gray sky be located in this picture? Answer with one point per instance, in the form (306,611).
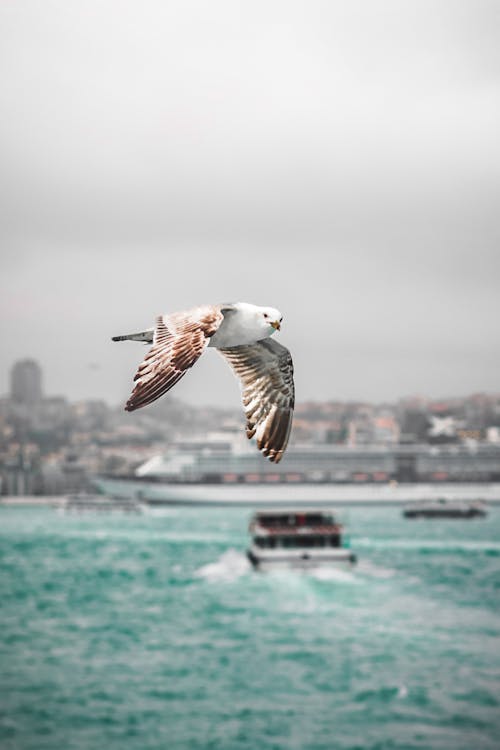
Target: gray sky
(337,160)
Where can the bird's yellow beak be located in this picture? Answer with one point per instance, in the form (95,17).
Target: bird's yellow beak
(276,325)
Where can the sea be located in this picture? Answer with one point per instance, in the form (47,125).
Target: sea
(152,632)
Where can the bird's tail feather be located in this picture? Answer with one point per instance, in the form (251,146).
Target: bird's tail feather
(146,336)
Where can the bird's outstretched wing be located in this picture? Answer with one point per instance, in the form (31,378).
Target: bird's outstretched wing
(265,370)
(179,340)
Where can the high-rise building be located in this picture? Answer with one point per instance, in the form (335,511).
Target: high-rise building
(26,382)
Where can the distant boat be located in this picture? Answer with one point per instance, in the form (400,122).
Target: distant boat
(83,502)
(443,508)
(296,539)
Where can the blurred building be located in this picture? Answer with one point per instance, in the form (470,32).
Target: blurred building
(51,446)
(26,382)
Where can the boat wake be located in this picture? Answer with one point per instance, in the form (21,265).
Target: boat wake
(333,574)
(230,566)
(233,564)
(360,572)
(370,570)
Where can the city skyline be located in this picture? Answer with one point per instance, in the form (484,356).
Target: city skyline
(337,161)
(20,391)
(51,445)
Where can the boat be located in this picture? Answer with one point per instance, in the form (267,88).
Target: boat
(225,469)
(84,502)
(156,491)
(296,539)
(444,508)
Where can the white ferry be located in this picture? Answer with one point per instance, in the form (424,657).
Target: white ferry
(296,539)
(225,469)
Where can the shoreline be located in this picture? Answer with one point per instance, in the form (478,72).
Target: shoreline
(54,501)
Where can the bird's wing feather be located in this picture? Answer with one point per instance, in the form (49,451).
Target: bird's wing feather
(179,340)
(265,370)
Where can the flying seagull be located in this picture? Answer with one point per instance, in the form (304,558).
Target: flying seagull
(241,333)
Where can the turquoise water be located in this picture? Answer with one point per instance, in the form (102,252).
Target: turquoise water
(152,632)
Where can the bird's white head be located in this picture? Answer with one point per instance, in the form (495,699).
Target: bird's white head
(272,318)
(258,322)
(263,320)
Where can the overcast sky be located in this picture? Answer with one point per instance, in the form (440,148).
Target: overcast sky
(337,160)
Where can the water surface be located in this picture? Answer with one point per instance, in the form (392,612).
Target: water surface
(153,632)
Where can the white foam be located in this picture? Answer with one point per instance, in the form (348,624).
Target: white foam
(333,574)
(402,691)
(230,566)
(366,567)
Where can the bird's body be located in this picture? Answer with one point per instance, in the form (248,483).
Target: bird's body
(240,332)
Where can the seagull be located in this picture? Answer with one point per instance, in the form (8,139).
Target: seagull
(240,332)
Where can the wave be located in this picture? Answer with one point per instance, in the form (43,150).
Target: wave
(427,544)
(134,535)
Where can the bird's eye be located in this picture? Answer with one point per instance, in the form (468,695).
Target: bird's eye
(266,315)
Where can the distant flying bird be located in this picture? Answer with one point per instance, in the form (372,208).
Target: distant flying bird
(240,332)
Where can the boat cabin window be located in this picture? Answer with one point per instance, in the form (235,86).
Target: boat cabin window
(282,520)
(268,542)
(298,541)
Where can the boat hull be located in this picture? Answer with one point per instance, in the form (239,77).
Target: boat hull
(289,495)
(302,559)
(444,513)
